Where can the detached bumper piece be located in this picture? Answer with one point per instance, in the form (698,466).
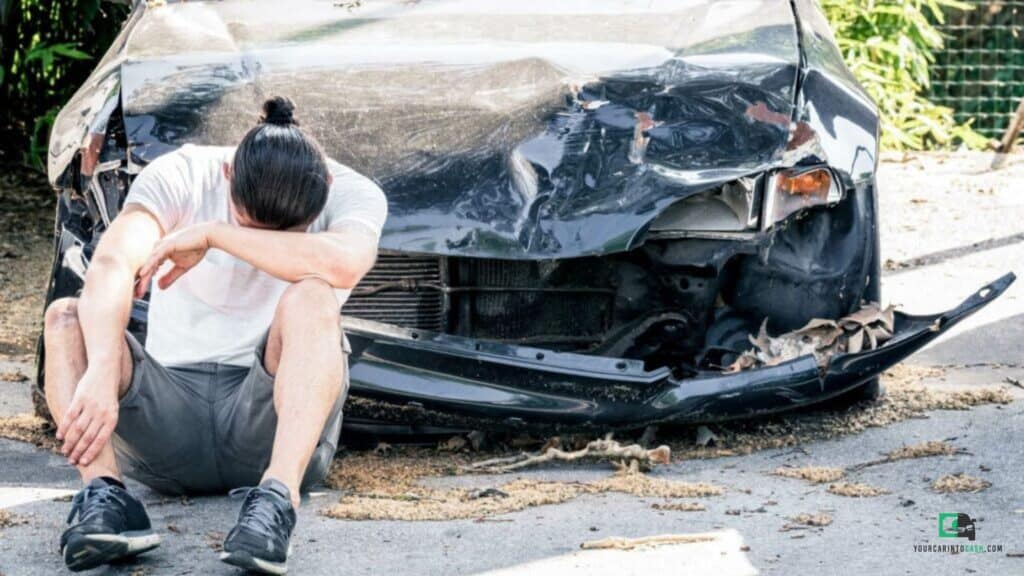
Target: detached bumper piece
(435,374)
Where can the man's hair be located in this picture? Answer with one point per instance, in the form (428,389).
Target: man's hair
(280,177)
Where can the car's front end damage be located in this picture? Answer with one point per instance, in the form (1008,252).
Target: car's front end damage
(593,206)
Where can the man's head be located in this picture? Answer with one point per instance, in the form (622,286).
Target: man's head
(279,178)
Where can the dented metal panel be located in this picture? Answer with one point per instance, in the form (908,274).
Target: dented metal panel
(515,130)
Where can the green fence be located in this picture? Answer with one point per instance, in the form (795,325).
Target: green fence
(980,72)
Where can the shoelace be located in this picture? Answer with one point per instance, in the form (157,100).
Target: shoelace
(89,502)
(267,519)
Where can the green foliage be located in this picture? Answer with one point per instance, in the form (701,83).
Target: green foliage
(889,45)
(49,47)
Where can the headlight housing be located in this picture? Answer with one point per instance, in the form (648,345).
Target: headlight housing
(732,207)
(790,191)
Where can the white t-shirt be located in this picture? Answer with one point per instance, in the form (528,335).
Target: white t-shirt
(220,309)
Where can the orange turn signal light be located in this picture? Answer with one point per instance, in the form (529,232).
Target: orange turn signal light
(812,183)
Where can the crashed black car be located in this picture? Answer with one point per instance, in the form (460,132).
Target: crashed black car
(593,204)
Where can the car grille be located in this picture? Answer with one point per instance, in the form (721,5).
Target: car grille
(402,290)
(533,302)
(520,301)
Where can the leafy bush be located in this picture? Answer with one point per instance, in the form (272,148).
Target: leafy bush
(889,46)
(49,47)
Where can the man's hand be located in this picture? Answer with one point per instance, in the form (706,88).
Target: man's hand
(92,415)
(185,248)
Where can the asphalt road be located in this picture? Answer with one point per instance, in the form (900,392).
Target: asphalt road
(947,229)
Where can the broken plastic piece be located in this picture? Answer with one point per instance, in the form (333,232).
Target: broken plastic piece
(865,329)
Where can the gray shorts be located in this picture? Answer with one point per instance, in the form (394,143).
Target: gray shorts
(206,428)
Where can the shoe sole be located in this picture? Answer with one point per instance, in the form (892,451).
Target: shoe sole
(92,550)
(247,561)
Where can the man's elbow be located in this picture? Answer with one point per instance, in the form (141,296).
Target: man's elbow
(107,264)
(343,277)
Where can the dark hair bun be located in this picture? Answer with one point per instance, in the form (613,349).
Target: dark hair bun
(280,111)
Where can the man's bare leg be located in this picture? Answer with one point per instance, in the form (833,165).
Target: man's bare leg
(65,364)
(305,357)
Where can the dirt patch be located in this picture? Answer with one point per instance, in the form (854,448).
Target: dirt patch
(13,376)
(959,483)
(913,451)
(385,486)
(425,504)
(29,428)
(923,450)
(646,542)
(855,490)
(680,506)
(459,503)
(643,485)
(396,472)
(8,520)
(805,520)
(26,232)
(812,474)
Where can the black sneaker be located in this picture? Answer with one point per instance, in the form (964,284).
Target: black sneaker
(259,542)
(112,524)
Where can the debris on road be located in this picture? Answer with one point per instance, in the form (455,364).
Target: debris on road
(633,456)
(460,503)
(215,540)
(812,474)
(8,520)
(680,506)
(865,329)
(645,542)
(855,490)
(912,451)
(454,444)
(959,483)
(31,429)
(804,521)
(905,398)
(923,450)
(13,376)
(379,488)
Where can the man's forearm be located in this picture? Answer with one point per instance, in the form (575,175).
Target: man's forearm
(104,309)
(294,256)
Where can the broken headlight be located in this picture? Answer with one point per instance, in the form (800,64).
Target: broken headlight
(732,207)
(790,191)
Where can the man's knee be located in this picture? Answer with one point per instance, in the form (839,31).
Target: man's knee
(61,315)
(309,301)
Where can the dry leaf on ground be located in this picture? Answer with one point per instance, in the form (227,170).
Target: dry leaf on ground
(855,490)
(812,474)
(959,483)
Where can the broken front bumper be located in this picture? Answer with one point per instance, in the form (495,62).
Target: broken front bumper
(418,372)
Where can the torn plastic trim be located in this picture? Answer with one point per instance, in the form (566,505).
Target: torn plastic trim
(509,383)
(99,196)
(624,370)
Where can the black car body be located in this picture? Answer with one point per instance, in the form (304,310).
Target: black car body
(592,203)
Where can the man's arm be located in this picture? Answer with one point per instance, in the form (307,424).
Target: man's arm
(340,256)
(104,309)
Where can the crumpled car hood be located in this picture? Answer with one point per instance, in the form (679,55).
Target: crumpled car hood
(539,129)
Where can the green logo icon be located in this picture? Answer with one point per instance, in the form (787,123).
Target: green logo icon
(956,525)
